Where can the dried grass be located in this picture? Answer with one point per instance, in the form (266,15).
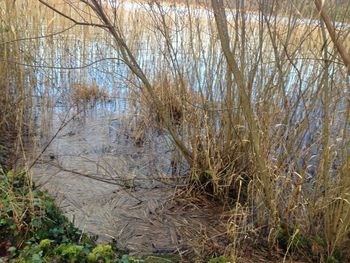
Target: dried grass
(269,137)
(88,94)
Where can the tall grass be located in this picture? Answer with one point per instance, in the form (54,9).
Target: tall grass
(43,57)
(14,100)
(268,122)
(257,105)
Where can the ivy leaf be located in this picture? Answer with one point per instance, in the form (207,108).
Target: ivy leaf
(37,258)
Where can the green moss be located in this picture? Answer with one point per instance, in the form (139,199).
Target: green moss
(101,252)
(221,259)
(45,243)
(72,252)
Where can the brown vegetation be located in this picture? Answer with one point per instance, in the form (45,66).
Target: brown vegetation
(15,98)
(263,122)
(244,139)
(84,94)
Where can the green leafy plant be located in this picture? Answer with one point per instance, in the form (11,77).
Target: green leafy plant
(220,259)
(291,240)
(101,252)
(71,252)
(39,232)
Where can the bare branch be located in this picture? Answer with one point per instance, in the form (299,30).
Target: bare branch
(61,68)
(37,37)
(72,19)
(342,52)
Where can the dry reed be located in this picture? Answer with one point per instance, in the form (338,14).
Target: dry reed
(258,109)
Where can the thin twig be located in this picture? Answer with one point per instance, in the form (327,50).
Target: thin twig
(72,19)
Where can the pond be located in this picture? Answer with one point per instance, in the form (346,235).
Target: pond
(111,186)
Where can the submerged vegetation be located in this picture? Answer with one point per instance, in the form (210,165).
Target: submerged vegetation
(256,103)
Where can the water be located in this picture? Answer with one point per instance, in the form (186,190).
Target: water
(106,183)
(120,192)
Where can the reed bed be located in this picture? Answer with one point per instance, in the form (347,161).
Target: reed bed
(270,134)
(262,124)
(15,102)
